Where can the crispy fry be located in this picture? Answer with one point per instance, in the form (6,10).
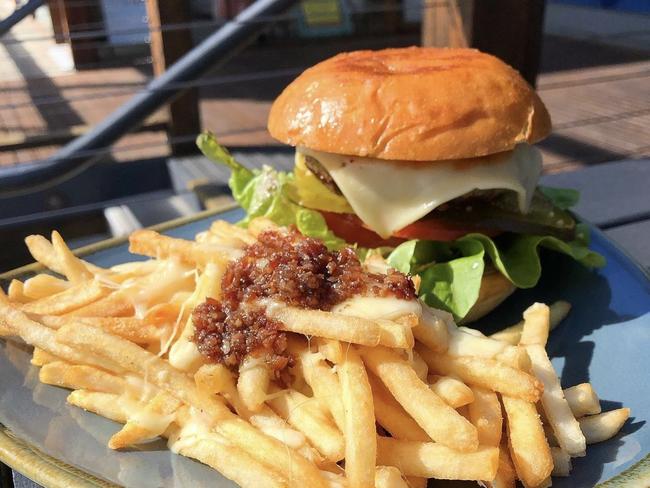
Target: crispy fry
(360,439)
(73,268)
(583,400)
(515,357)
(67,301)
(223,228)
(131,328)
(598,428)
(133,358)
(323,382)
(259,225)
(506,476)
(253,383)
(433,460)
(454,392)
(195,438)
(80,377)
(44,338)
(485,414)
(432,331)
(270,451)
(163,375)
(41,357)
(441,422)
(420,367)
(486,373)
(536,325)
(146,421)
(305,415)
(388,477)
(561,462)
(43,285)
(558,311)
(341,327)
(42,251)
(231,461)
(16,292)
(330,348)
(215,378)
(391,416)
(116,304)
(529,449)
(104,404)
(150,243)
(464,341)
(560,417)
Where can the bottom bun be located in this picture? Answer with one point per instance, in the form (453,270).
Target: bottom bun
(495,288)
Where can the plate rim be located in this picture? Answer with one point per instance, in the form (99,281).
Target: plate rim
(50,472)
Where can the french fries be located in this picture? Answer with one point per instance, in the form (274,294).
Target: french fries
(485,414)
(529,449)
(80,377)
(454,392)
(253,383)
(486,373)
(152,244)
(432,460)
(582,400)
(441,422)
(599,428)
(536,325)
(44,285)
(557,313)
(392,417)
(561,462)
(342,328)
(306,415)
(377,393)
(506,476)
(565,426)
(104,404)
(360,434)
(324,382)
(389,477)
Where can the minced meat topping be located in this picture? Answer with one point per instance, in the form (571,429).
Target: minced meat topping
(288,268)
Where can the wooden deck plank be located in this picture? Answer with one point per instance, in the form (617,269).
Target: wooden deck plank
(599,113)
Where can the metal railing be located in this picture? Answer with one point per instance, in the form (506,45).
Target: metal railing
(86,149)
(19,14)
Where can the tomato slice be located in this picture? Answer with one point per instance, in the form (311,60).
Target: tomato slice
(353,230)
(436,230)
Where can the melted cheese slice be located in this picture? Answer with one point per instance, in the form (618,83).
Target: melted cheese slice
(387,195)
(372,308)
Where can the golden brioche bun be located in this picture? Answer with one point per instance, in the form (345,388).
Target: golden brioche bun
(495,288)
(413,104)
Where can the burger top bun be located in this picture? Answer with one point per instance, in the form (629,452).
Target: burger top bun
(411,104)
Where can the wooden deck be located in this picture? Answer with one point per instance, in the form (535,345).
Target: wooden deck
(600,110)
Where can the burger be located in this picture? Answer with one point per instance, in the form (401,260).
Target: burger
(424,156)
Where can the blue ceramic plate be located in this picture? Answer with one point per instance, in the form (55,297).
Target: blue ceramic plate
(605,340)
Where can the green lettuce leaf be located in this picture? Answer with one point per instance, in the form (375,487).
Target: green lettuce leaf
(268,193)
(451,272)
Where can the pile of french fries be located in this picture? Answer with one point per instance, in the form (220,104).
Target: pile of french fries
(389,400)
